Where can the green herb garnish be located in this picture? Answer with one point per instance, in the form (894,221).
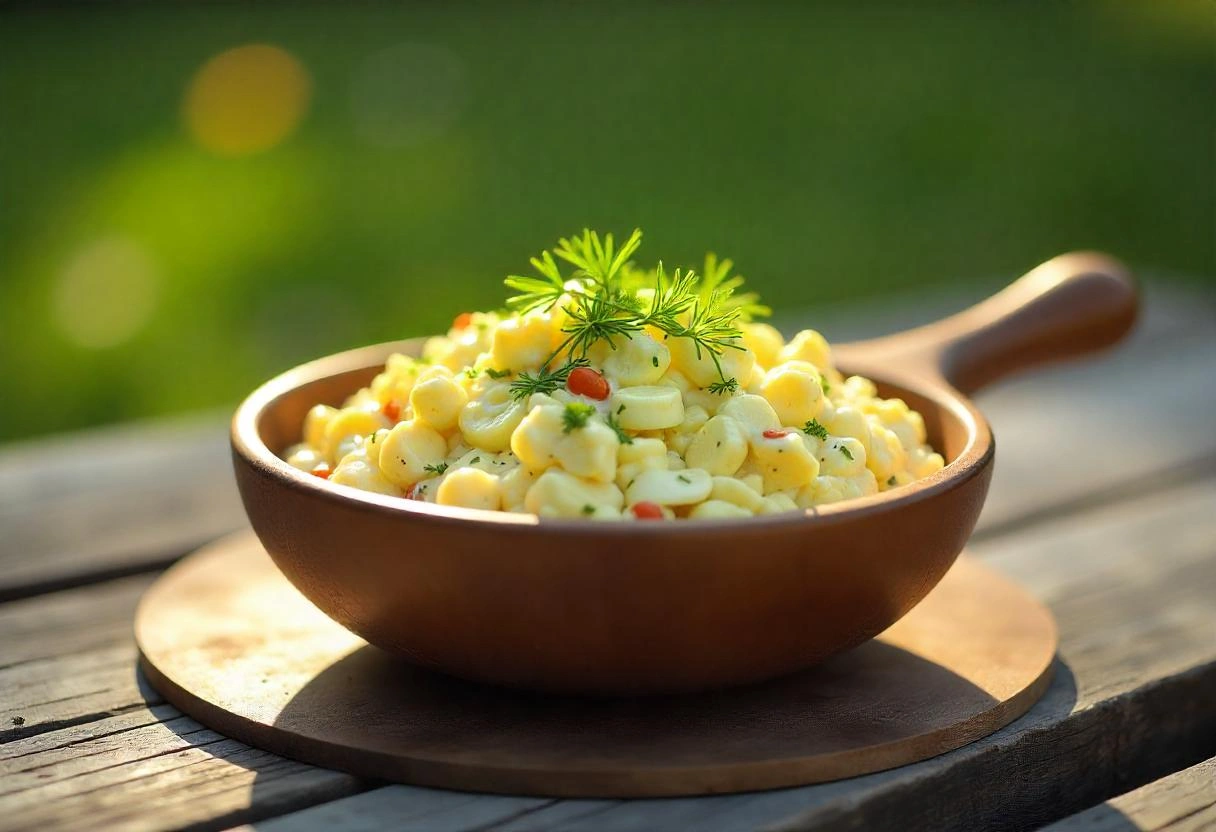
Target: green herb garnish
(625,439)
(844,449)
(891,480)
(815,429)
(576,415)
(588,509)
(683,478)
(492,373)
(730,385)
(437,470)
(605,303)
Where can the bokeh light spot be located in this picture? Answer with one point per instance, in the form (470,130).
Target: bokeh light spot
(247,99)
(106,293)
(407,94)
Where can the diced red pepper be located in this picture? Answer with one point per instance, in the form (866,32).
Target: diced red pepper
(776,434)
(584,381)
(391,411)
(322,471)
(647,510)
(462,320)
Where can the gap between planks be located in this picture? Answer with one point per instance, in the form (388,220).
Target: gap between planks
(1185,801)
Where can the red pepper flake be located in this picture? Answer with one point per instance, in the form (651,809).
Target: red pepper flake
(777,434)
(391,411)
(647,510)
(583,381)
(323,471)
(462,320)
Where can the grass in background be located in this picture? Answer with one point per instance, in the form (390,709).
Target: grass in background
(831,151)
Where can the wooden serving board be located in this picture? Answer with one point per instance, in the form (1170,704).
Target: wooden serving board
(229,641)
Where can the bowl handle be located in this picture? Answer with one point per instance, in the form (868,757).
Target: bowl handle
(1071,305)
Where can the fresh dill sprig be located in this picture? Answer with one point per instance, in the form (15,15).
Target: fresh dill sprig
(596,318)
(596,260)
(714,277)
(815,429)
(609,299)
(545,381)
(537,292)
(624,438)
(437,470)
(575,416)
(497,374)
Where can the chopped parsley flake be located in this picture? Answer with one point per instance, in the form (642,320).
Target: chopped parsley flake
(492,373)
(437,470)
(475,460)
(683,478)
(823,382)
(891,480)
(575,416)
(622,437)
(588,509)
(844,449)
(654,359)
(815,429)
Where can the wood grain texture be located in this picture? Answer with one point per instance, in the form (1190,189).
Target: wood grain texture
(96,745)
(1139,662)
(112,502)
(1185,801)
(1131,588)
(121,500)
(1136,630)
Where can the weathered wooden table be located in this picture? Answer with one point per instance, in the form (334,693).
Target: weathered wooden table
(1104,505)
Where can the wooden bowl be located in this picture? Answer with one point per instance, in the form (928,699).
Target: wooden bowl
(585,607)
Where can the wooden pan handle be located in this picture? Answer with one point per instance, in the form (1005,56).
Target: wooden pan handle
(1071,305)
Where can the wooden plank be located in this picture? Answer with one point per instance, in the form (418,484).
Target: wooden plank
(96,744)
(105,773)
(1182,802)
(111,502)
(123,500)
(1131,586)
(406,808)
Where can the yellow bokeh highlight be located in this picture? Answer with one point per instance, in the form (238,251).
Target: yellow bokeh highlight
(247,99)
(106,293)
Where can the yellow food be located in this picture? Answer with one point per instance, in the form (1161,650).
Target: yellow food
(610,388)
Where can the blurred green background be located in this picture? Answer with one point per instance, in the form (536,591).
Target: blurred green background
(178,221)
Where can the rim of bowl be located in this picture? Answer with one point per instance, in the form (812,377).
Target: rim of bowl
(247,442)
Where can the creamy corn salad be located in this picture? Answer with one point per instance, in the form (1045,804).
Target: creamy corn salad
(610,392)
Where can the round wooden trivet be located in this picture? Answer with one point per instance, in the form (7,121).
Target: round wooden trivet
(230,642)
